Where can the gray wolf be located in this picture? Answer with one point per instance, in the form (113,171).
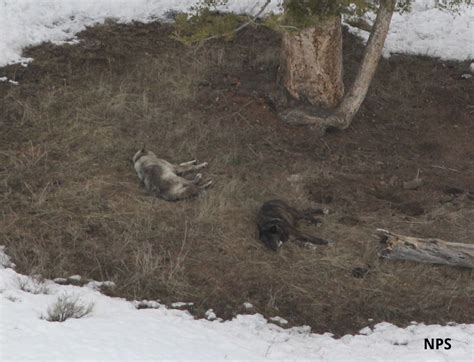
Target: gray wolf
(163,179)
(277,223)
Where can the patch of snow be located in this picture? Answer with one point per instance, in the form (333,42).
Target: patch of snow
(210,315)
(14,82)
(430,31)
(466,76)
(365,331)
(248,305)
(279,320)
(181,304)
(94,284)
(3,79)
(5,261)
(76,278)
(60,280)
(117,330)
(144,304)
(471,67)
(24,23)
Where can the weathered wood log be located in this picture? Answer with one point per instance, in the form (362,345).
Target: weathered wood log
(434,251)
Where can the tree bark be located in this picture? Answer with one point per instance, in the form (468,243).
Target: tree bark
(434,251)
(345,112)
(311,63)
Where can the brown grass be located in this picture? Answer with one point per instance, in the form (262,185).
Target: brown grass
(71,204)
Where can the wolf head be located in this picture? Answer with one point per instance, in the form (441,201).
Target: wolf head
(139,154)
(142,152)
(273,236)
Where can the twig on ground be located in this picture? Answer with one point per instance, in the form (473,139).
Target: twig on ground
(445,168)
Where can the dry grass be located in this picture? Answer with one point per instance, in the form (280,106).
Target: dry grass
(71,204)
(67,307)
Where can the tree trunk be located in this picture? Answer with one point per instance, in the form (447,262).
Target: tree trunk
(351,102)
(311,63)
(434,251)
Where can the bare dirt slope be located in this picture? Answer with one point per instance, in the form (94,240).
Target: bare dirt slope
(71,203)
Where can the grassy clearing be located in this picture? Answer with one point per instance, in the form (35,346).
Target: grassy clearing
(71,204)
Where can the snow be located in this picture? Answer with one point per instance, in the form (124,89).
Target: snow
(24,23)
(210,315)
(124,330)
(247,305)
(431,32)
(279,320)
(181,304)
(120,330)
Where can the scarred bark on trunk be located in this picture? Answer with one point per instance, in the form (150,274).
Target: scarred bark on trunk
(311,63)
(342,117)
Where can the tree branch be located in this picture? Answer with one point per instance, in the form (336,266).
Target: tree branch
(239,28)
(262,9)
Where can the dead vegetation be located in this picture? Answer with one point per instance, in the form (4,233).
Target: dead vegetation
(67,307)
(71,204)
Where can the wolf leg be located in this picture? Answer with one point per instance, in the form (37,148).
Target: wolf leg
(306,238)
(308,215)
(310,218)
(193,162)
(184,169)
(206,185)
(197,178)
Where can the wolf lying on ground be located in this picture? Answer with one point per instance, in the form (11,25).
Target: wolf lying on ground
(277,223)
(163,178)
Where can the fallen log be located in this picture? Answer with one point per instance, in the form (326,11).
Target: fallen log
(434,251)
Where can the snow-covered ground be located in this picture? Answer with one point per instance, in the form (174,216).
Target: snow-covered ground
(23,23)
(116,330)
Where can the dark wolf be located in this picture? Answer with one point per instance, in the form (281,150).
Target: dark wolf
(278,222)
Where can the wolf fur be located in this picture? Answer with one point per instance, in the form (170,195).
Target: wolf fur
(163,179)
(277,223)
